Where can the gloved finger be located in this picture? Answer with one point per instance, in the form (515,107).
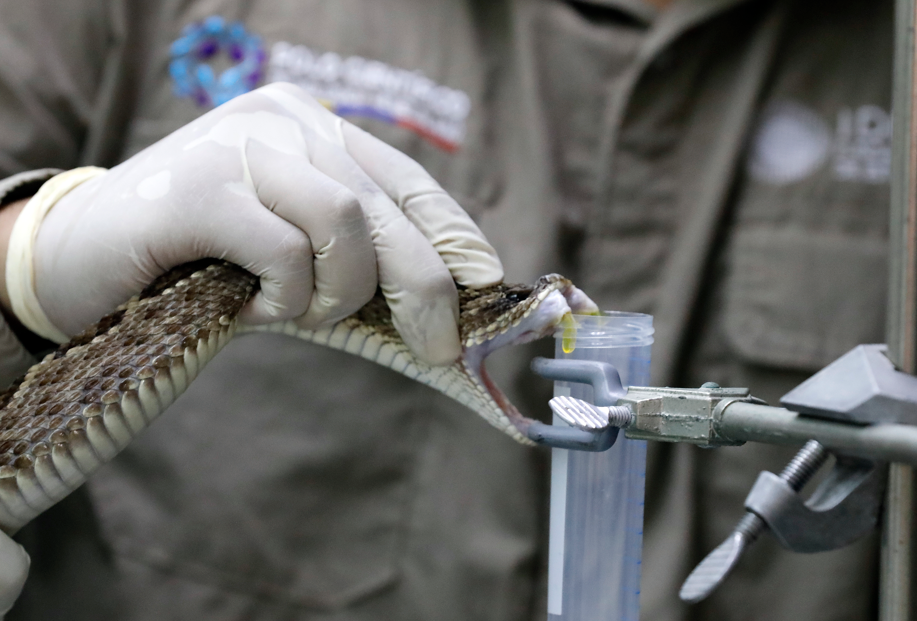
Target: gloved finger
(417,284)
(14,569)
(465,251)
(472,261)
(344,261)
(266,245)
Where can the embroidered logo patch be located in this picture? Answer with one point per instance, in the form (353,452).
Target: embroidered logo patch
(359,87)
(201,46)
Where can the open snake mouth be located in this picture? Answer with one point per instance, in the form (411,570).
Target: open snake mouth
(541,312)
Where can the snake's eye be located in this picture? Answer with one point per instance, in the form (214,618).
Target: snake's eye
(516,296)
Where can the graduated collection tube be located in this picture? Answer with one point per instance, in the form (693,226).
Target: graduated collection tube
(596,528)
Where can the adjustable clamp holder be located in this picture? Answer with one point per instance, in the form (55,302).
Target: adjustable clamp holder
(607,390)
(646,413)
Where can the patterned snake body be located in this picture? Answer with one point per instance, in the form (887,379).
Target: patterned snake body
(82,404)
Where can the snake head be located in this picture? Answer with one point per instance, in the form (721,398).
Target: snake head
(505,315)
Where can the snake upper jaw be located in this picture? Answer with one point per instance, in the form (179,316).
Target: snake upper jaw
(540,323)
(579,302)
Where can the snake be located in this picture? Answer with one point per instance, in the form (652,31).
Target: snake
(82,404)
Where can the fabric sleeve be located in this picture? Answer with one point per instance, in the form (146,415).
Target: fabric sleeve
(15,359)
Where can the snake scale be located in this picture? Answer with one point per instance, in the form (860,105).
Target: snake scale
(82,404)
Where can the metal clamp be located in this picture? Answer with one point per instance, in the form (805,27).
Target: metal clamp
(662,414)
(843,508)
(862,386)
(681,414)
(831,407)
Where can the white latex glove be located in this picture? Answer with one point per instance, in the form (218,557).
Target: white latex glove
(14,568)
(320,210)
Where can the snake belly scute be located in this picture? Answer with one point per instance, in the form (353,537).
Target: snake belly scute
(76,409)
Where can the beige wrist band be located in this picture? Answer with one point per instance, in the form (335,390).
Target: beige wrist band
(20,266)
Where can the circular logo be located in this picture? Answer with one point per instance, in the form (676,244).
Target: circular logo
(791,142)
(201,45)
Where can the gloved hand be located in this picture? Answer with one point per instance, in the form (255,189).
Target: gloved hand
(320,210)
(14,568)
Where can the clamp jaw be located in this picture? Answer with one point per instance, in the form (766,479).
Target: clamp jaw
(606,389)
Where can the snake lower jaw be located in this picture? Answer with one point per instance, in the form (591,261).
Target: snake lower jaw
(542,322)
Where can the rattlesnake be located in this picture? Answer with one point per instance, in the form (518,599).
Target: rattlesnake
(77,408)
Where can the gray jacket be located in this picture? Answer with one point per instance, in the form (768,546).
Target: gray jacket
(723,166)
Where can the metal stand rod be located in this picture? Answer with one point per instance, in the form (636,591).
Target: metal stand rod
(897,543)
(897,562)
(749,422)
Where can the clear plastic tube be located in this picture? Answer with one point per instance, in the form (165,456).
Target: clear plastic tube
(596,531)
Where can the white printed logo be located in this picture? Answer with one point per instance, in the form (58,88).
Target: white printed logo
(792,142)
(863,147)
(356,86)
